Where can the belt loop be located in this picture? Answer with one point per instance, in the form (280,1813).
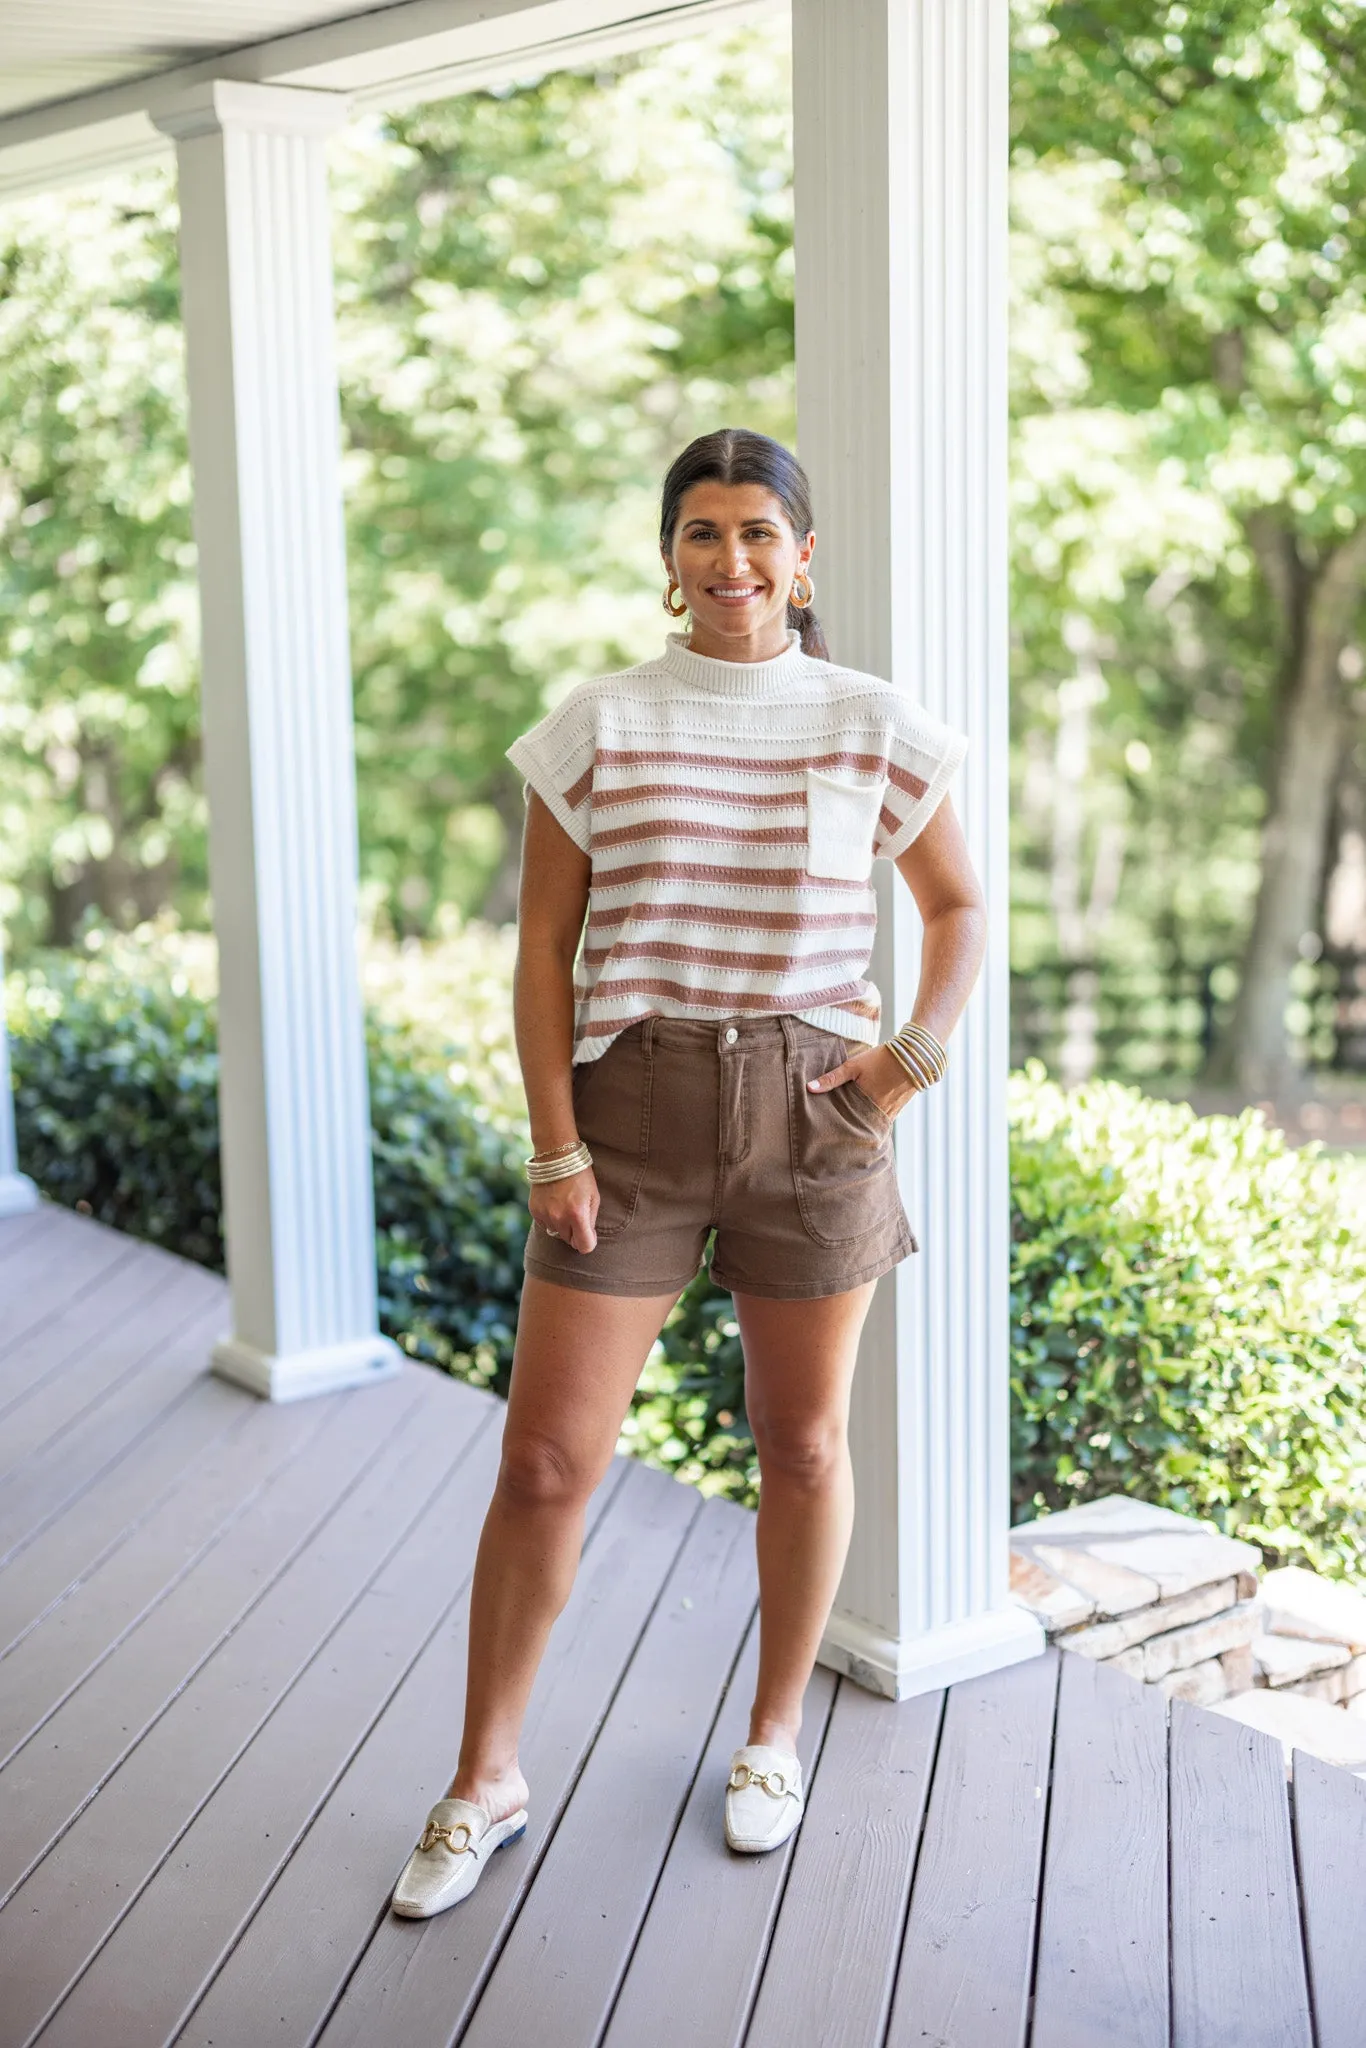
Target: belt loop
(788,1031)
(647,1037)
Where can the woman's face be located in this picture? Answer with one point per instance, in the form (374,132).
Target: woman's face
(734,557)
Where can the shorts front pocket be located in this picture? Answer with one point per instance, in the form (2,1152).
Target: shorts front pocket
(841,1152)
(841,818)
(612,1111)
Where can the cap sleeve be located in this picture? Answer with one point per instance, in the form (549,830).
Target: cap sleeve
(922,759)
(556,758)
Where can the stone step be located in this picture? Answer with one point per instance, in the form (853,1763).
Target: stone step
(1324,1731)
(1123,1555)
(1299,1603)
(1289,1660)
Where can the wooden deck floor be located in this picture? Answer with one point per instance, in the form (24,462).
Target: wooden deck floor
(231,1652)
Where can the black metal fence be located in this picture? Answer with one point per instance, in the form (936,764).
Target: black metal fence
(1152,1021)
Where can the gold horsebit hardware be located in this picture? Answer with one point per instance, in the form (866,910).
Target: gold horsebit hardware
(744,1775)
(432,1834)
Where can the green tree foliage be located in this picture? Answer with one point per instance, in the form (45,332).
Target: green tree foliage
(1191,190)
(99,716)
(542,291)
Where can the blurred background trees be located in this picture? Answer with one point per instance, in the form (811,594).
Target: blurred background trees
(543,291)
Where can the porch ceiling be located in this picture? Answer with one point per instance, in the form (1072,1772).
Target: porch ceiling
(57,49)
(80,79)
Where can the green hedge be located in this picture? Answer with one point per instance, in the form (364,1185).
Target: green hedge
(115,1093)
(1188,1307)
(1188,1295)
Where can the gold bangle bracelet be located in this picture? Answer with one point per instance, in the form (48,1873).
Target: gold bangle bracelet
(909,1064)
(559,1169)
(916,1038)
(923,1031)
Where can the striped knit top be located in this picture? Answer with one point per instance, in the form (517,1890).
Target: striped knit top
(732,812)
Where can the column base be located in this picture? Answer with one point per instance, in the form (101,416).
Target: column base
(17,1194)
(961,1649)
(289,1376)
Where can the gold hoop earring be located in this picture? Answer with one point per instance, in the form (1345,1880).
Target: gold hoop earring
(675,611)
(810,588)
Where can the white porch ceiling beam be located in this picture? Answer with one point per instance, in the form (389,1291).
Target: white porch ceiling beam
(278,755)
(391,56)
(900,135)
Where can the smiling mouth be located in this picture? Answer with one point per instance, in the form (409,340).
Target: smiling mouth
(732,593)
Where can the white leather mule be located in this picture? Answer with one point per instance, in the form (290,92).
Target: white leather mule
(449,1859)
(764,1799)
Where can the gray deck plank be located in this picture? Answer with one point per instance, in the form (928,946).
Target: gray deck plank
(82,1352)
(283,1976)
(1102,1972)
(234,1476)
(1238,1976)
(695,1970)
(155,1966)
(70,1903)
(560,1967)
(76,1508)
(17,1231)
(829,1973)
(968,1954)
(417,1981)
(1330,1836)
(52,1778)
(57,1473)
(103,1719)
(63,1261)
(96,1729)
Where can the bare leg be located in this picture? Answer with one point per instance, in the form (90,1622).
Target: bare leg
(799,1368)
(575,1367)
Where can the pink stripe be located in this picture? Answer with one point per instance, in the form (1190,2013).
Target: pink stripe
(902,778)
(687,828)
(695,792)
(715,956)
(755,878)
(736,919)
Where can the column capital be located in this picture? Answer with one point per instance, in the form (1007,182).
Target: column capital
(221,104)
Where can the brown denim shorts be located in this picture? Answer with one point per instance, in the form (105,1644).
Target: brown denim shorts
(696,1126)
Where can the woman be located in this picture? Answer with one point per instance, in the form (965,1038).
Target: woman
(711,1062)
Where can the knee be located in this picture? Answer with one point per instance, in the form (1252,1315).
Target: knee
(538,1471)
(807,1452)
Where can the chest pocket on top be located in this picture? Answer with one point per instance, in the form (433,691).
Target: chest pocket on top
(841,818)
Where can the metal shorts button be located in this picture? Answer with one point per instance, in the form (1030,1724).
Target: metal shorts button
(731,1035)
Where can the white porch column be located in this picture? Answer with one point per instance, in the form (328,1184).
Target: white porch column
(279,767)
(17,1192)
(900,113)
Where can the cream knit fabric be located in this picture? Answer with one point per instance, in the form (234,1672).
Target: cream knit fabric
(732,812)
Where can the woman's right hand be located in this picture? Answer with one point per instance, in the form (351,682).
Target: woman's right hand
(568,1208)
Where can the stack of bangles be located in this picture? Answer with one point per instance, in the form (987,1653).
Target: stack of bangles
(920,1053)
(559,1163)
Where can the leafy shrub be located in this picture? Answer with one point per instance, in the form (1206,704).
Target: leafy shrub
(115,1061)
(1188,1308)
(1188,1294)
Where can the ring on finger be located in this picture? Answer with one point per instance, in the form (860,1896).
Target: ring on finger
(549,1232)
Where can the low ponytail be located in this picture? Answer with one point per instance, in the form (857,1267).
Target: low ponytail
(737,455)
(809,626)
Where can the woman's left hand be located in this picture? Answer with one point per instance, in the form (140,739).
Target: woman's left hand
(879,1074)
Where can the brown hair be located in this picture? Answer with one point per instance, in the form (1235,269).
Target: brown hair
(736,455)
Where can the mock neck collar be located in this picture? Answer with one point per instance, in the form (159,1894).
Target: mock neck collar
(732,678)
